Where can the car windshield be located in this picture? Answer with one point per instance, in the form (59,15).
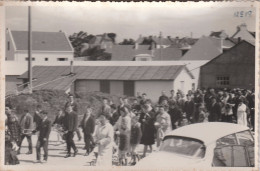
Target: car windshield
(183,146)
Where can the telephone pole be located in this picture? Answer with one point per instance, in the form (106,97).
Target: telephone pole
(29,51)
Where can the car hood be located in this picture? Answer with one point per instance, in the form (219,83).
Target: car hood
(167,159)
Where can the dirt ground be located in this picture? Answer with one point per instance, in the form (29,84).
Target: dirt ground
(57,152)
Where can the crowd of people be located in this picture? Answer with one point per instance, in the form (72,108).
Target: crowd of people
(125,126)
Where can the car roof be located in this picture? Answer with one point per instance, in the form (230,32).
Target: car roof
(207,132)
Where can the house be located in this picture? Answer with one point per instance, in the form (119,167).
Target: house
(231,69)
(117,80)
(206,48)
(103,41)
(184,43)
(46,46)
(136,52)
(219,34)
(243,33)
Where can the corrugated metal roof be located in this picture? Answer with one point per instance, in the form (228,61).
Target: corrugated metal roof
(42,41)
(57,77)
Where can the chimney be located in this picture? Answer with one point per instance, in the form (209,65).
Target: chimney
(71,67)
(191,34)
(238,39)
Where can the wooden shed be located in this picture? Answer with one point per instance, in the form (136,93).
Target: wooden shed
(235,68)
(117,80)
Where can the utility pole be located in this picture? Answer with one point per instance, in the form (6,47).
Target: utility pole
(160,39)
(29,51)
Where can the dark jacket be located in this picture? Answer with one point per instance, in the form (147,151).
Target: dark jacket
(70,122)
(189,109)
(44,129)
(176,115)
(36,118)
(214,112)
(74,106)
(26,122)
(59,120)
(88,126)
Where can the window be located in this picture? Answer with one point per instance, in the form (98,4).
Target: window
(143,58)
(129,88)
(105,86)
(222,80)
(62,59)
(232,156)
(234,150)
(8,45)
(183,146)
(46,59)
(245,138)
(33,59)
(227,140)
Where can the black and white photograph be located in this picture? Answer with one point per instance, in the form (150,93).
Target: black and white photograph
(129,85)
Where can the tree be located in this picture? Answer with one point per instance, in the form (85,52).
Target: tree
(112,36)
(77,39)
(127,42)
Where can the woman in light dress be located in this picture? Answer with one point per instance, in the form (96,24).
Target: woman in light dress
(241,113)
(104,137)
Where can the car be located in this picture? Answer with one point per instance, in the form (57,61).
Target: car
(212,144)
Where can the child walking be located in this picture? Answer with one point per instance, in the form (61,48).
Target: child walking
(136,134)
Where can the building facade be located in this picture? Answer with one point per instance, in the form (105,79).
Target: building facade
(46,46)
(235,68)
(116,80)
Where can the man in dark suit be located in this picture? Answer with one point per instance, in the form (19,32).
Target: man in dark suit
(37,118)
(26,124)
(214,111)
(44,129)
(189,109)
(75,108)
(175,113)
(70,126)
(88,127)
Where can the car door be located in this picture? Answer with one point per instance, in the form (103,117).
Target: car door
(234,150)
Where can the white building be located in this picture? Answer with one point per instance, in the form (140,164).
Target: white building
(116,80)
(47,47)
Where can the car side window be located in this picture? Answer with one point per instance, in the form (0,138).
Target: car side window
(227,140)
(245,138)
(231,156)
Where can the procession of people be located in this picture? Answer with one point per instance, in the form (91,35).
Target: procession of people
(122,128)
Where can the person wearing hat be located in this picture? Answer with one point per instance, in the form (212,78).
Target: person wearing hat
(44,129)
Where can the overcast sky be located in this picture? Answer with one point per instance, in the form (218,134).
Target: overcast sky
(130,22)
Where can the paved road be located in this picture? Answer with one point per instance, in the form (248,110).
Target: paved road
(57,153)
